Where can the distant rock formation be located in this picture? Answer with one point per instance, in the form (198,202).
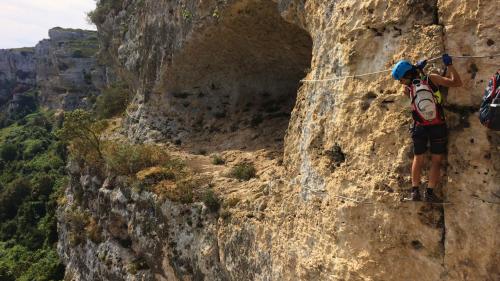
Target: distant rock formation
(61,72)
(17,67)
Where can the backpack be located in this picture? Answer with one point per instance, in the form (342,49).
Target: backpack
(426,107)
(489,113)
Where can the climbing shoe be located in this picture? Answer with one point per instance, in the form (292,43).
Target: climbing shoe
(414,194)
(430,197)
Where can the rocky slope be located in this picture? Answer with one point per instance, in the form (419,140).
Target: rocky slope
(63,71)
(223,76)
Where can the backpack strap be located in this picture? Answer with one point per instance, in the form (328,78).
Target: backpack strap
(429,82)
(494,91)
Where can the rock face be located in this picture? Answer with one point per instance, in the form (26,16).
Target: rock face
(226,72)
(68,74)
(17,66)
(62,70)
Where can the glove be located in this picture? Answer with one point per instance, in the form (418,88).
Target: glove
(447,60)
(421,64)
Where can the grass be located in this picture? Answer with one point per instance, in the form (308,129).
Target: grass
(78,222)
(231,202)
(24,49)
(183,191)
(217,160)
(129,159)
(243,171)
(156,174)
(83,48)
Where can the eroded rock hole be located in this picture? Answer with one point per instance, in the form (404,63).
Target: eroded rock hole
(235,83)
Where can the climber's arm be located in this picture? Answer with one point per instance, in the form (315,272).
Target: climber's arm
(452,81)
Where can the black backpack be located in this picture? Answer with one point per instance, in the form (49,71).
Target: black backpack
(489,113)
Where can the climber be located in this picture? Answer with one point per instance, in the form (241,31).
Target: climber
(429,122)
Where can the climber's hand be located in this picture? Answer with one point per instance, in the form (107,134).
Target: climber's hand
(447,60)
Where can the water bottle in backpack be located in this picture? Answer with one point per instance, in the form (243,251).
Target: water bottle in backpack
(426,107)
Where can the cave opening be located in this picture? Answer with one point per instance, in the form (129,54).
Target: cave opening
(235,83)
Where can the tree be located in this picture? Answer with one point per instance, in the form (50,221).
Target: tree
(8,152)
(83,133)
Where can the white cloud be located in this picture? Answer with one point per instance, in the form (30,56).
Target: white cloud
(25,22)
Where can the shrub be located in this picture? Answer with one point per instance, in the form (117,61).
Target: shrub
(8,152)
(44,163)
(33,147)
(44,265)
(128,159)
(83,132)
(5,274)
(137,265)
(42,185)
(112,101)
(98,16)
(25,265)
(244,171)
(217,160)
(39,120)
(12,196)
(211,200)
(183,191)
(156,174)
(77,222)
(27,207)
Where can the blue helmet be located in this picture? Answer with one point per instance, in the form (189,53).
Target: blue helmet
(399,70)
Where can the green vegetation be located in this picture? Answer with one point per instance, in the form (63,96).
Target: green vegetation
(113,100)
(183,192)
(103,8)
(186,14)
(137,265)
(128,159)
(211,200)
(22,264)
(77,222)
(32,177)
(217,159)
(243,171)
(82,132)
(25,104)
(83,48)
(146,166)
(24,49)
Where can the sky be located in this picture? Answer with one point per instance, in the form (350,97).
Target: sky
(25,22)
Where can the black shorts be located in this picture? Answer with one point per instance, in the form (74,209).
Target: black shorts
(437,135)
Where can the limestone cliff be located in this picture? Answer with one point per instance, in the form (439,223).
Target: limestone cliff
(332,157)
(17,76)
(68,73)
(63,70)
